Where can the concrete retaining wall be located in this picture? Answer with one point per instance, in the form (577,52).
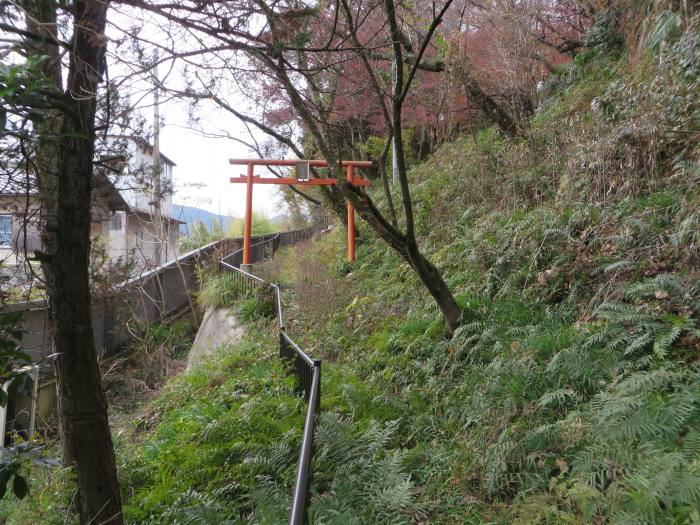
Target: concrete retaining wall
(145,298)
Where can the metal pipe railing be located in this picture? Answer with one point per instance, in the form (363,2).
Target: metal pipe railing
(278,304)
(307,370)
(269,245)
(298,515)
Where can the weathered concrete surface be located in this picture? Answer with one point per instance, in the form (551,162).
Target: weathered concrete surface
(219,329)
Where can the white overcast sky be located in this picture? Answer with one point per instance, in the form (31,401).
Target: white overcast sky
(203,160)
(201,177)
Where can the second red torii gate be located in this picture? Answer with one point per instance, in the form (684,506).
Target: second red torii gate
(250,179)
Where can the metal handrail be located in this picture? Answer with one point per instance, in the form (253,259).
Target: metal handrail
(253,248)
(276,241)
(298,515)
(308,372)
(278,300)
(246,274)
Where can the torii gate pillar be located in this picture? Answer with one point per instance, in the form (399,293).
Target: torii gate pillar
(248,228)
(351,218)
(247,232)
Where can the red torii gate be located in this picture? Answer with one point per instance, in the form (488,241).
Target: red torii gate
(303,180)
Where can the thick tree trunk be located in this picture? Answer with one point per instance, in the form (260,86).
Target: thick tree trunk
(65,170)
(85,432)
(334,199)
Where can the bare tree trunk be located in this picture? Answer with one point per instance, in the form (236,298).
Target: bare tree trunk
(493,110)
(65,171)
(334,199)
(431,277)
(374,83)
(404,243)
(408,249)
(427,272)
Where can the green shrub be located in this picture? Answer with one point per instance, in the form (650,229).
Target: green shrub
(221,290)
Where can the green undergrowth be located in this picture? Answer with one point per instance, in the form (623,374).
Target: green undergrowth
(226,290)
(571,392)
(210,435)
(541,408)
(222,290)
(220,445)
(569,395)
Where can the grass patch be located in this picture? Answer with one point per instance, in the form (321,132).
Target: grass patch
(221,290)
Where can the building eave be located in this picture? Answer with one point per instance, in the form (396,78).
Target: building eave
(171,220)
(146,146)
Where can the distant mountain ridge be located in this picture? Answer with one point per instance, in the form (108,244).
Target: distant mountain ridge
(191,216)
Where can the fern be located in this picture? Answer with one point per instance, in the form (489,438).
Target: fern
(274,458)
(558,398)
(194,508)
(653,320)
(358,478)
(643,456)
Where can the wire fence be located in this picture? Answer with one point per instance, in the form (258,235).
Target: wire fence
(306,369)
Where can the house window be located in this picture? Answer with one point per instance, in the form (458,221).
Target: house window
(5,230)
(116,222)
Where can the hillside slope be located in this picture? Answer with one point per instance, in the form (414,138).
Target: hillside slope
(571,393)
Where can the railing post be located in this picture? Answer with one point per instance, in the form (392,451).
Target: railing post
(278,304)
(298,515)
(317,371)
(284,353)
(299,365)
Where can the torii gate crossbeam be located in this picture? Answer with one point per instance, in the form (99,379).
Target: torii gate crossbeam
(250,179)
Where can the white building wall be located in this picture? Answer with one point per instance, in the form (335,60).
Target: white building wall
(133,238)
(117,239)
(137,238)
(26,236)
(135,184)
